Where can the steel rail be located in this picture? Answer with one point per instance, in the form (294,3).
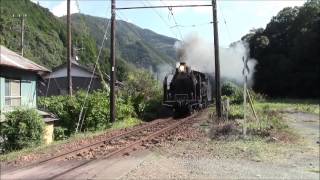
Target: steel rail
(126,148)
(92,145)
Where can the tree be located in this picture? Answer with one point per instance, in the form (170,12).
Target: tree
(287,51)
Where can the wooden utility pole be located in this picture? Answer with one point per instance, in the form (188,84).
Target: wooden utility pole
(245,104)
(245,72)
(112,62)
(22,33)
(69,51)
(21,17)
(216,59)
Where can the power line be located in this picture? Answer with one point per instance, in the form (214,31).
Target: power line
(192,25)
(163,19)
(175,22)
(93,72)
(81,116)
(174,19)
(225,22)
(169,6)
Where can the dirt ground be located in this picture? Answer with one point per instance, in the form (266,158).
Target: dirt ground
(198,157)
(209,159)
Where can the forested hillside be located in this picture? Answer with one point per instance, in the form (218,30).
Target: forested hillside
(141,47)
(45,35)
(45,39)
(288,53)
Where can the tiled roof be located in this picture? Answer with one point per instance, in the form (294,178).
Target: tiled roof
(11,59)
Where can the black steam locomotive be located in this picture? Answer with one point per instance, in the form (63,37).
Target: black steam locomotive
(187,91)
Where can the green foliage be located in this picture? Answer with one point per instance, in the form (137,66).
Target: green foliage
(269,115)
(95,112)
(228,89)
(287,51)
(44,33)
(140,47)
(45,39)
(59,133)
(128,122)
(144,92)
(152,107)
(269,120)
(308,106)
(236,112)
(233,92)
(141,97)
(22,128)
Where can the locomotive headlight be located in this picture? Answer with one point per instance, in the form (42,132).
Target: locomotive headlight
(182,68)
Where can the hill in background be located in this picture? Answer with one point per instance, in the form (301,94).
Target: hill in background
(45,39)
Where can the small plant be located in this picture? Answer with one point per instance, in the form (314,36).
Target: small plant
(232,91)
(22,128)
(236,112)
(59,133)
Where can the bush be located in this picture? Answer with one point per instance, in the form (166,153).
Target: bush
(22,128)
(141,97)
(145,94)
(95,113)
(228,89)
(234,92)
(152,108)
(59,133)
(66,108)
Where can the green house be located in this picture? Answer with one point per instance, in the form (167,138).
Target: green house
(18,81)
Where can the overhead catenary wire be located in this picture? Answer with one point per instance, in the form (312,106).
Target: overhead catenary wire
(93,72)
(193,25)
(166,6)
(81,118)
(163,19)
(226,25)
(174,19)
(122,16)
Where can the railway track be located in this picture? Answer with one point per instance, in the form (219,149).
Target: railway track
(118,145)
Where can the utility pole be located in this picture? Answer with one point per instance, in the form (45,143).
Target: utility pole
(216,59)
(245,72)
(21,17)
(112,62)
(22,33)
(69,50)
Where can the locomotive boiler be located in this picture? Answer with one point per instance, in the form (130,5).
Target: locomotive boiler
(186,91)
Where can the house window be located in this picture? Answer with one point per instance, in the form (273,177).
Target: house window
(12,92)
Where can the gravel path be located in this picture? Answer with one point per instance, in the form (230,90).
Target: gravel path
(207,159)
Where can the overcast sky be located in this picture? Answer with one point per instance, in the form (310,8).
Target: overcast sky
(236,17)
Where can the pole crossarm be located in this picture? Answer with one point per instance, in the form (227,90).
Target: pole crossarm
(175,6)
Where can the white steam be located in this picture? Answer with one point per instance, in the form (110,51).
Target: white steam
(199,55)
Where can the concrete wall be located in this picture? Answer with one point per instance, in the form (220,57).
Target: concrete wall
(28,87)
(48,133)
